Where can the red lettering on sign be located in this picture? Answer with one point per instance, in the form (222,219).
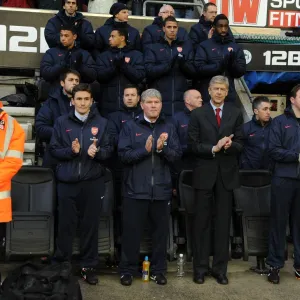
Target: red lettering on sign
(245,11)
(284,18)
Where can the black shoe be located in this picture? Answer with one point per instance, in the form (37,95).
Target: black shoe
(159,279)
(221,278)
(126,279)
(89,275)
(297,274)
(237,253)
(273,275)
(199,278)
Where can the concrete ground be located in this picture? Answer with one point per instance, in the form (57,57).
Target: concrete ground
(243,284)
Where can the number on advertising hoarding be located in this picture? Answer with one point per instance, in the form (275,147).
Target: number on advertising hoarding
(282,58)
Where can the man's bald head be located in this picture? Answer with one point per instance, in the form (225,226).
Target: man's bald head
(166,11)
(192,99)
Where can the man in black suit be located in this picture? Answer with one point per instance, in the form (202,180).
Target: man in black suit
(215,138)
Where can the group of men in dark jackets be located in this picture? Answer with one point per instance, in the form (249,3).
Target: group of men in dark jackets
(210,139)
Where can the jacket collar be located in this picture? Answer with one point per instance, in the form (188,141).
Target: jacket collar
(158,21)
(205,23)
(140,119)
(258,123)
(222,39)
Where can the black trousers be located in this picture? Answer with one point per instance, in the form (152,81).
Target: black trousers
(212,208)
(285,201)
(79,202)
(135,214)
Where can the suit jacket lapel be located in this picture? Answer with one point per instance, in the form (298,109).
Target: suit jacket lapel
(211,116)
(226,115)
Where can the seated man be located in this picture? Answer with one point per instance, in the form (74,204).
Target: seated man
(118,66)
(168,64)
(59,103)
(69,16)
(65,57)
(192,100)
(146,146)
(117,21)
(80,143)
(256,136)
(219,55)
(153,33)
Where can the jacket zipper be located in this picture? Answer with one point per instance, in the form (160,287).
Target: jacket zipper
(81,146)
(152,165)
(173,84)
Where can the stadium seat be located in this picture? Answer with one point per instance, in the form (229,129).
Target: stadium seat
(31,231)
(186,207)
(106,245)
(252,204)
(43,90)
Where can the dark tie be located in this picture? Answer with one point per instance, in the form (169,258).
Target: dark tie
(218,116)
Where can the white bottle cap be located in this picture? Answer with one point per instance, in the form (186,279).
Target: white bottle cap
(180,255)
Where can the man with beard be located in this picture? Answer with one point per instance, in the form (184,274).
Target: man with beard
(118,66)
(70,17)
(58,104)
(219,55)
(119,19)
(65,57)
(153,33)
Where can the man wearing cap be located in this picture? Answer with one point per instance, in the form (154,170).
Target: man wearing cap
(12,140)
(118,66)
(153,33)
(119,19)
(219,55)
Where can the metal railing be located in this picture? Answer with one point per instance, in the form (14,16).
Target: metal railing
(201,4)
(245,86)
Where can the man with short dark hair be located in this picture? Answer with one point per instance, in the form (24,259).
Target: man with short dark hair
(69,16)
(146,147)
(65,57)
(284,150)
(119,20)
(153,33)
(80,143)
(168,64)
(58,104)
(219,55)
(256,136)
(215,138)
(116,67)
(203,30)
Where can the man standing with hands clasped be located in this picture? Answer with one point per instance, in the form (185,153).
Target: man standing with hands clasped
(80,142)
(215,138)
(146,147)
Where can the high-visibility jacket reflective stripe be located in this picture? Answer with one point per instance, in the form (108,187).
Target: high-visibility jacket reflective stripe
(4,194)
(14,153)
(8,135)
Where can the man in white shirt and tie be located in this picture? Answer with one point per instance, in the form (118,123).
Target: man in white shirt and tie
(215,138)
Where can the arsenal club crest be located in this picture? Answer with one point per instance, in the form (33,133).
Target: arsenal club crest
(127,59)
(179,49)
(94,130)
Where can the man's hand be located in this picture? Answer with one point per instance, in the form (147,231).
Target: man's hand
(228,143)
(149,142)
(161,140)
(222,142)
(93,149)
(75,146)
(211,32)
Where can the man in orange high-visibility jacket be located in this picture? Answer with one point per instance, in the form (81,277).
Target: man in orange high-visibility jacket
(12,140)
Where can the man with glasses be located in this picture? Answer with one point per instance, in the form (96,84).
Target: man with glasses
(153,33)
(215,138)
(219,55)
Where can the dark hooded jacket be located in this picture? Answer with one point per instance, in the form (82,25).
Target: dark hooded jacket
(85,33)
(153,33)
(219,56)
(113,77)
(167,72)
(103,33)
